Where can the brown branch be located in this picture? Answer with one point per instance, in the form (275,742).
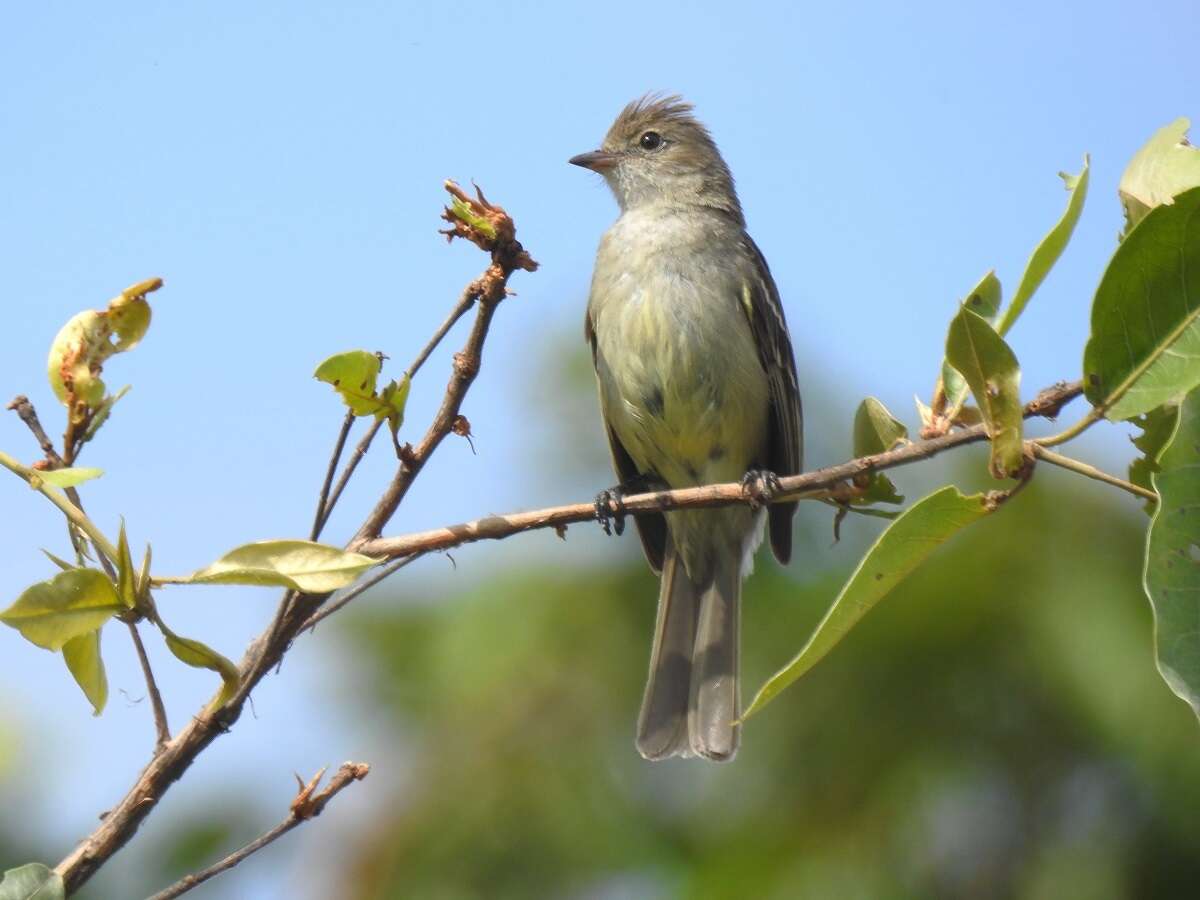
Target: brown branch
(161,731)
(24,409)
(1046,404)
(324,507)
(307,805)
(266,651)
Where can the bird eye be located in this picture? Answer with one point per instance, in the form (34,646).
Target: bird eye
(651,140)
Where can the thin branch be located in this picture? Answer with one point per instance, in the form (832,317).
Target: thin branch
(465,301)
(269,648)
(21,405)
(355,590)
(793,487)
(1094,415)
(306,806)
(1089,471)
(162,732)
(351,464)
(323,506)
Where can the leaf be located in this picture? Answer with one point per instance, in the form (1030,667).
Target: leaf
(903,546)
(82,656)
(394,398)
(1157,426)
(984,301)
(1046,253)
(126,586)
(143,579)
(68,478)
(58,561)
(353,375)
(32,881)
(70,604)
(1166,166)
(875,429)
(201,656)
(1144,348)
(101,413)
(994,376)
(1172,570)
(301,565)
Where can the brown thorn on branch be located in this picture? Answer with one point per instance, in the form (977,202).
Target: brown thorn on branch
(810,485)
(305,806)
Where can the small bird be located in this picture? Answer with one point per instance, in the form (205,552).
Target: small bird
(697,385)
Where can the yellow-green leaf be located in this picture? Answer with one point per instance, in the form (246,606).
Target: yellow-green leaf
(201,656)
(903,546)
(1144,348)
(975,349)
(1166,166)
(353,375)
(82,656)
(301,565)
(1172,568)
(1046,253)
(66,478)
(32,881)
(70,604)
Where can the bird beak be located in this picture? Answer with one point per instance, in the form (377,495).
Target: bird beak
(596,160)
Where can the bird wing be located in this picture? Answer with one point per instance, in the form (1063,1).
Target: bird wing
(785,441)
(652,527)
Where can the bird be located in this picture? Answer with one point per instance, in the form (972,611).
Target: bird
(697,385)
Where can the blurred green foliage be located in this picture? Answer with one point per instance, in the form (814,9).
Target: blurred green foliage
(995,729)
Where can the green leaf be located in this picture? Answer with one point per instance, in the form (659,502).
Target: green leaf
(1046,254)
(1144,349)
(126,586)
(201,656)
(301,565)
(143,579)
(353,375)
(101,413)
(991,370)
(1157,427)
(903,546)
(1172,573)
(58,561)
(875,429)
(394,398)
(70,604)
(67,478)
(82,656)
(1166,166)
(984,301)
(32,881)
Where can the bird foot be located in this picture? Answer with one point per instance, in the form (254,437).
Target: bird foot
(609,520)
(759,486)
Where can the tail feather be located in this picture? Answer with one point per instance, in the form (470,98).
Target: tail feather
(662,725)
(714,704)
(691,703)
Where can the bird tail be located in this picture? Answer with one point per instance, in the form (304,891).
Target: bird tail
(691,704)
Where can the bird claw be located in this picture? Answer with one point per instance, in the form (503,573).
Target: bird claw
(610,521)
(759,486)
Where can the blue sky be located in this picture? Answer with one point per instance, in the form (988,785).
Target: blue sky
(280,166)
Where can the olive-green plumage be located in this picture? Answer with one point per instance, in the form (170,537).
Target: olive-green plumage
(697,385)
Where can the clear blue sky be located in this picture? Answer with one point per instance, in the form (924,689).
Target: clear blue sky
(280,166)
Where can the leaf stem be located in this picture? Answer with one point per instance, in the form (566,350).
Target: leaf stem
(1088,471)
(1094,415)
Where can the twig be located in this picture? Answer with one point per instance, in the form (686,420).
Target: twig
(351,464)
(306,806)
(328,609)
(792,487)
(1094,415)
(322,513)
(465,302)
(24,409)
(162,732)
(268,649)
(1089,471)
